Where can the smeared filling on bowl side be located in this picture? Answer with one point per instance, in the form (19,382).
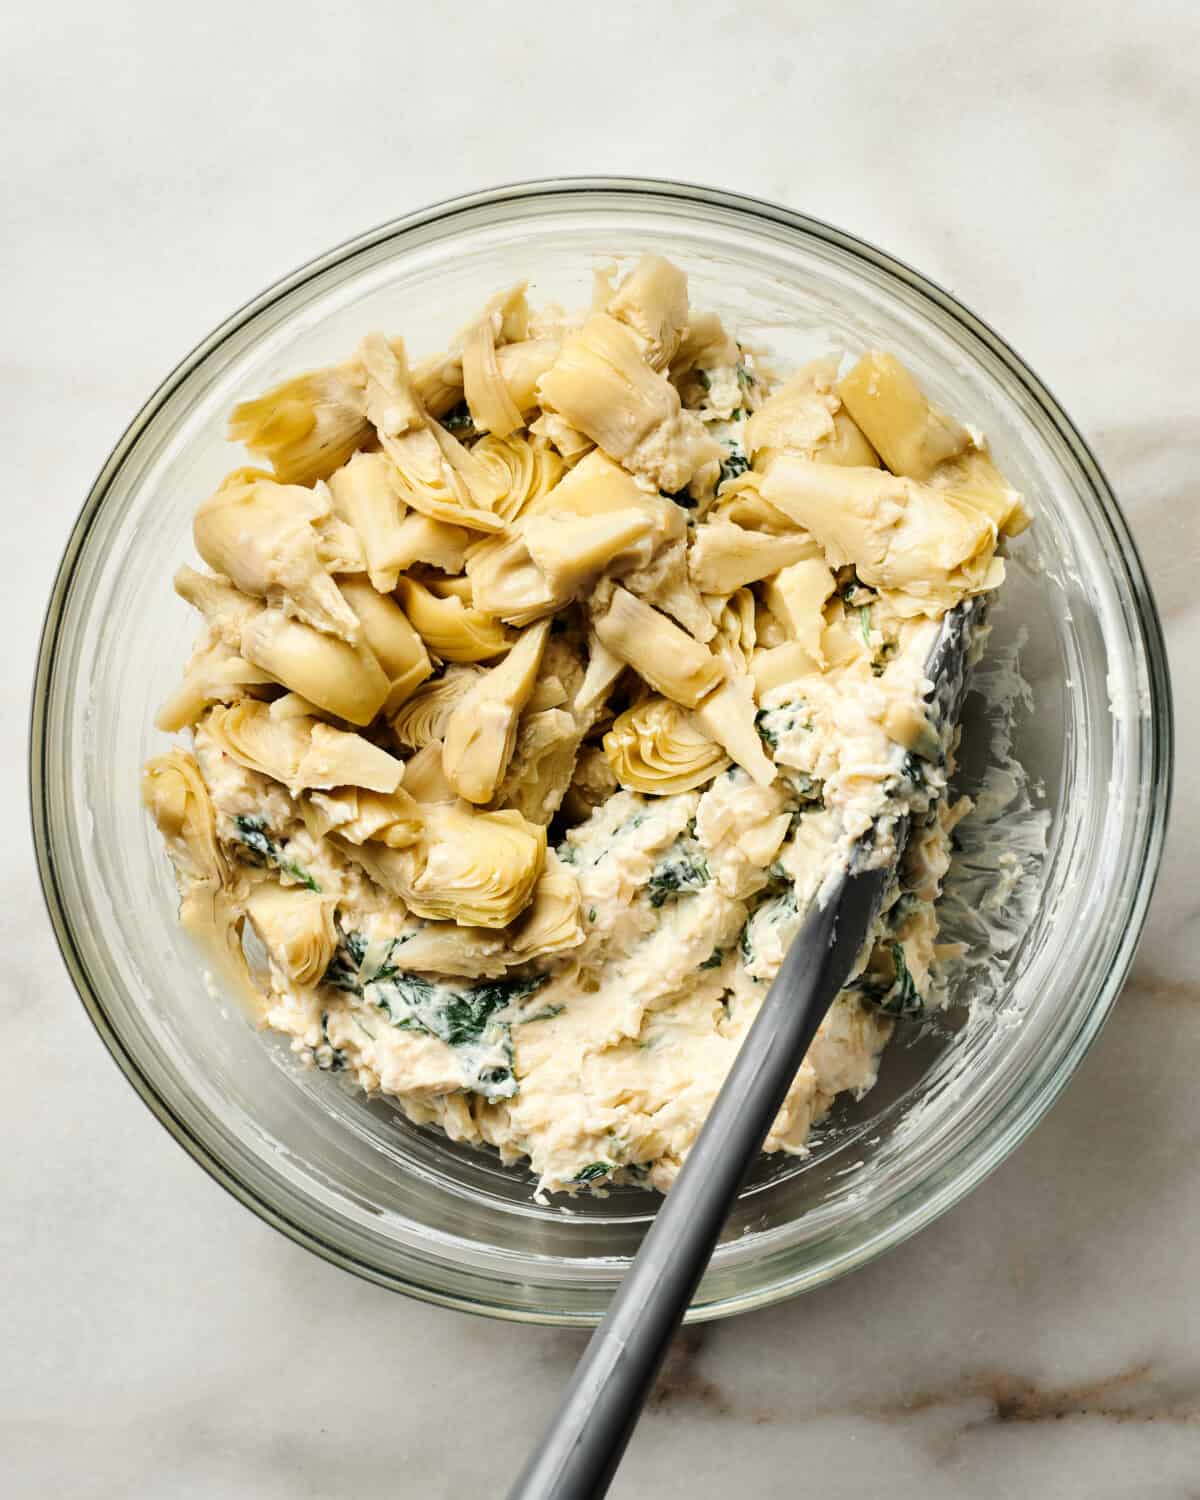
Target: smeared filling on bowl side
(542,683)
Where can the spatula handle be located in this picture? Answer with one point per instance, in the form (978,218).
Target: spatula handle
(583,1444)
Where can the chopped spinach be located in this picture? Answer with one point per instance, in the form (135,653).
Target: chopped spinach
(328,1058)
(465,1018)
(683,869)
(773,723)
(904,999)
(594,1170)
(252,832)
(714,960)
(547,1013)
(681,497)
(591,913)
(737,463)
(864,623)
(705,382)
(898,997)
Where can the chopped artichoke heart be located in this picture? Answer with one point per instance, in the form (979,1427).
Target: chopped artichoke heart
(725,557)
(264,537)
(603,387)
(659,748)
(911,436)
(482,730)
(665,656)
(899,534)
(344,680)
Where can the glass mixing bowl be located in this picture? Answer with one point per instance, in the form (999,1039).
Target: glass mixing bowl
(347,1176)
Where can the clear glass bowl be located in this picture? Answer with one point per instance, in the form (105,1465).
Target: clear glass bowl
(349,1177)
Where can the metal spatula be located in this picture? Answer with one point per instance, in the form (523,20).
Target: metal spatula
(581,1448)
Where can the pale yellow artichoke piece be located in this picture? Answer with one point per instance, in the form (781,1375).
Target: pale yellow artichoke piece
(424,717)
(665,656)
(660,749)
(215,675)
(799,414)
(434,469)
(262,536)
(424,776)
(911,436)
(741,501)
(174,793)
(736,634)
(567,440)
(705,345)
(775,666)
(973,477)
(452,630)
(603,387)
(482,730)
(492,407)
(905,723)
(805,415)
(301,753)
(653,301)
(391,818)
(308,426)
(424,540)
(846,445)
(603,669)
(176,797)
(724,557)
(296,928)
(293,706)
(226,609)
(542,764)
(553,921)
(392,405)
(727,716)
(572,551)
(522,471)
(438,382)
(336,758)
(475,869)
(251,736)
(921,442)
(930,550)
(595,486)
(522,364)
(367,495)
(796,596)
(506,582)
(344,680)
(665,582)
(398,648)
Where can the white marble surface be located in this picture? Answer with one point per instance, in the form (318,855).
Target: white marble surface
(162,164)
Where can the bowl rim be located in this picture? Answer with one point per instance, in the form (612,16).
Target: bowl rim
(907,1218)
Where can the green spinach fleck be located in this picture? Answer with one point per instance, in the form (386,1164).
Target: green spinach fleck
(593,1171)
(252,832)
(683,869)
(328,1058)
(715,959)
(737,463)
